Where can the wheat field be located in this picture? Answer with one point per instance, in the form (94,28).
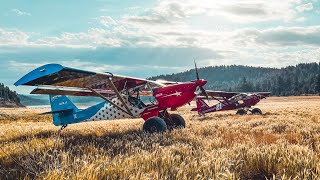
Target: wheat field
(281,144)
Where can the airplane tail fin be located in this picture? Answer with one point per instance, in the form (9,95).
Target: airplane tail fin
(62,109)
(201,105)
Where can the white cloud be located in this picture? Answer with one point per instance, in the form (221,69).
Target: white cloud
(281,36)
(107,21)
(244,11)
(13,37)
(305,7)
(24,67)
(167,12)
(249,11)
(94,37)
(20,13)
(169,24)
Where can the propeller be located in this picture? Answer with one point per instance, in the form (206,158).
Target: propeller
(195,65)
(197,75)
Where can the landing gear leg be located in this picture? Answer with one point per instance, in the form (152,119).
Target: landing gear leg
(62,127)
(173,121)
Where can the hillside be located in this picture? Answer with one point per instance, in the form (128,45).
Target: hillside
(8,98)
(291,80)
(34,100)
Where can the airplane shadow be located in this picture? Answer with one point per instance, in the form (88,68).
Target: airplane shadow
(112,143)
(42,135)
(72,139)
(223,116)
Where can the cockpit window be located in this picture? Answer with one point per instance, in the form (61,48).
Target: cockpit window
(136,102)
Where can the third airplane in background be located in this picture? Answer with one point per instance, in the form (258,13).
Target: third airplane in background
(229,101)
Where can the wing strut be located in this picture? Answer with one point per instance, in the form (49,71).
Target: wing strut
(108,100)
(220,101)
(119,96)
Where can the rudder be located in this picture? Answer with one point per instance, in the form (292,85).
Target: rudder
(200,105)
(62,108)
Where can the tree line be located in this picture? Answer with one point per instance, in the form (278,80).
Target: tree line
(7,95)
(301,79)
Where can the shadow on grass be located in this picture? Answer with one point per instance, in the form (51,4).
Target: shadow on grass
(42,135)
(225,116)
(34,163)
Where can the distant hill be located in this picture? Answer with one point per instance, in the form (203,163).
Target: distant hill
(8,98)
(292,80)
(34,100)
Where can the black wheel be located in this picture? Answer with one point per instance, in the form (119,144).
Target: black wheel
(176,122)
(256,111)
(241,112)
(155,124)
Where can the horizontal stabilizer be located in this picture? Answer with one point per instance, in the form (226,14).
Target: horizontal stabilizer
(57,112)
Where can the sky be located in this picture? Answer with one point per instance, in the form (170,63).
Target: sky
(151,37)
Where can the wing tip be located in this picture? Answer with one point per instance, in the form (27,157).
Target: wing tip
(38,72)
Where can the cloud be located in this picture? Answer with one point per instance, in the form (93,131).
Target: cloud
(282,36)
(13,37)
(135,70)
(168,25)
(107,21)
(248,11)
(305,7)
(20,13)
(244,11)
(167,12)
(94,37)
(126,56)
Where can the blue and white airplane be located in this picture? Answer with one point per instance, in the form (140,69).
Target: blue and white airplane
(121,96)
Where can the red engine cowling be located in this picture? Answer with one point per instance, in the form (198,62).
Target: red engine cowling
(177,95)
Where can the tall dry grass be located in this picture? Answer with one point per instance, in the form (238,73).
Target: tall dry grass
(281,144)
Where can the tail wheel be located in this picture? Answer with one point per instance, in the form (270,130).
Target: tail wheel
(256,111)
(155,124)
(241,112)
(176,122)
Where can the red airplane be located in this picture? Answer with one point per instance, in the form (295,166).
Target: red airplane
(121,96)
(229,101)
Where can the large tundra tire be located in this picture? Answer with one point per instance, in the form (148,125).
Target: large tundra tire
(241,112)
(155,124)
(176,122)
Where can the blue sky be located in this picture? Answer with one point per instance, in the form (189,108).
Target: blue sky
(152,37)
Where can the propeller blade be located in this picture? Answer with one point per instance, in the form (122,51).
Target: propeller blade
(204,92)
(195,65)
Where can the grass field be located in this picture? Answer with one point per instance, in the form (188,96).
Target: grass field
(284,143)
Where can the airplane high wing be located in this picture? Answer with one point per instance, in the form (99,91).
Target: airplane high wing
(221,94)
(228,95)
(57,79)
